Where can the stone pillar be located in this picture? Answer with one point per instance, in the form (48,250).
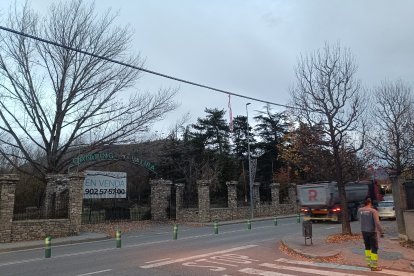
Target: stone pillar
(292,197)
(160,192)
(203,200)
(7,194)
(75,201)
(47,203)
(256,194)
(56,185)
(232,194)
(274,190)
(397,189)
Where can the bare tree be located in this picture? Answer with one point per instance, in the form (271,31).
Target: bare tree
(53,98)
(327,94)
(393,124)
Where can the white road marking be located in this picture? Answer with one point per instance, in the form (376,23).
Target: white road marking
(198,256)
(40,247)
(22,261)
(195,263)
(95,272)
(308,270)
(214,262)
(253,271)
(345,267)
(234,258)
(328,265)
(150,262)
(84,252)
(159,233)
(330,227)
(394,272)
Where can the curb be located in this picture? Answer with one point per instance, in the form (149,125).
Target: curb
(308,255)
(252,220)
(41,246)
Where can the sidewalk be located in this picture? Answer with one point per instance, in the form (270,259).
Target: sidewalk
(252,220)
(391,254)
(83,237)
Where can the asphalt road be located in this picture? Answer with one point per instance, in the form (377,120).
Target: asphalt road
(197,251)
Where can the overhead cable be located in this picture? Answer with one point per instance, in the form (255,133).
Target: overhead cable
(141,68)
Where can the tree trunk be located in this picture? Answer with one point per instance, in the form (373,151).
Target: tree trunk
(346,225)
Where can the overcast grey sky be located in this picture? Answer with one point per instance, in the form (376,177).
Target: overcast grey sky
(251,47)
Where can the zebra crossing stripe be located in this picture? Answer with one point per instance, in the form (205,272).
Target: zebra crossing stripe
(253,271)
(308,270)
(162,263)
(345,267)
(327,265)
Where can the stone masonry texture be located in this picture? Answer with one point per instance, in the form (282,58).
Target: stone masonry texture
(232,194)
(160,193)
(7,187)
(206,214)
(203,200)
(38,229)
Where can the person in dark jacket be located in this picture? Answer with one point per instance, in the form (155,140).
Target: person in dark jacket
(371,230)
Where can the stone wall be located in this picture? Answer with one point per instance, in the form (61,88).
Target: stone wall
(187,214)
(206,214)
(38,229)
(26,230)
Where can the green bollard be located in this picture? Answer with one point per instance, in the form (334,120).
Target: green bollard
(249,224)
(298,218)
(215,227)
(118,238)
(48,247)
(275,221)
(175,232)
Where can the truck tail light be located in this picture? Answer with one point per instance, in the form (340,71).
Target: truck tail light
(304,210)
(336,209)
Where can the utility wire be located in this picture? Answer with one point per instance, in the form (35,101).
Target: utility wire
(140,68)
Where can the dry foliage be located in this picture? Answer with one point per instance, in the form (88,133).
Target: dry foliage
(288,251)
(341,238)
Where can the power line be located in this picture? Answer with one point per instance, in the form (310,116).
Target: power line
(141,69)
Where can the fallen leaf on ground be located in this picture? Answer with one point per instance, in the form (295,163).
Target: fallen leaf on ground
(341,238)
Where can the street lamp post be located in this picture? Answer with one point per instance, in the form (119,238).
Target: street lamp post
(250,171)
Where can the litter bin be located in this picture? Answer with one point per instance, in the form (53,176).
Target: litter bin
(307,231)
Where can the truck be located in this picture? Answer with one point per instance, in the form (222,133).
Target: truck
(320,201)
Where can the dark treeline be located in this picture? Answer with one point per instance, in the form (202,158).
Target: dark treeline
(284,151)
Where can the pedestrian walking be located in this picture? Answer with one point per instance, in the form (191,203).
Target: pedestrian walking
(371,230)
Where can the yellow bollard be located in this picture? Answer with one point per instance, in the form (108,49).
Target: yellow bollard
(48,247)
(118,238)
(175,232)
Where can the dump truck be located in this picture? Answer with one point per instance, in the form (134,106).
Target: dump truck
(320,201)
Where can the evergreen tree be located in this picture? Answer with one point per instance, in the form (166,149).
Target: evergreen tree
(270,129)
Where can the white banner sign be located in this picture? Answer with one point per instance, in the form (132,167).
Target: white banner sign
(99,184)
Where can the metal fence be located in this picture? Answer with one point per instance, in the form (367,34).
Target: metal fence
(218,198)
(190,198)
(55,207)
(105,210)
